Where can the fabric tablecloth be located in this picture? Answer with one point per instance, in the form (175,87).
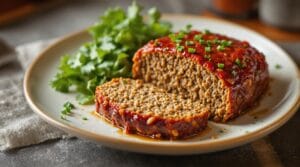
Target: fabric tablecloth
(19,125)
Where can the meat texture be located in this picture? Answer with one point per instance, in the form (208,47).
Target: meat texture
(141,108)
(224,74)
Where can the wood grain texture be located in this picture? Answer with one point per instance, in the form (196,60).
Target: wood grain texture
(273,33)
(25,10)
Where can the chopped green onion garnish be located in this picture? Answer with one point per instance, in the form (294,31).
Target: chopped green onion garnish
(208,43)
(84,118)
(179,48)
(207,49)
(221,65)
(220,48)
(206,31)
(216,41)
(278,66)
(226,43)
(188,27)
(191,50)
(189,42)
(197,37)
(178,40)
(229,43)
(238,62)
(172,37)
(202,41)
(180,35)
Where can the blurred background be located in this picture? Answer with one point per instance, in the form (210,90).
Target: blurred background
(22,21)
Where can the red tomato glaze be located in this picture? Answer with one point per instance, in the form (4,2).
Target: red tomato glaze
(232,63)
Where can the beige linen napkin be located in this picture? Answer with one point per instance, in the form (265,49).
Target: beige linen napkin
(19,125)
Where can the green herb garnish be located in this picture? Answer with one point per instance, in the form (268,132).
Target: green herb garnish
(116,37)
(84,118)
(179,48)
(63,117)
(178,40)
(69,105)
(220,48)
(202,41)
(197,37)
(188,28)
(238,62)
(191,50)
(207,49)
(216,41)
(67,110)
(189,43)
(208,43)
(225,43)
(206,31)
(221,65)
(278,66)
(180,35)
(173,37)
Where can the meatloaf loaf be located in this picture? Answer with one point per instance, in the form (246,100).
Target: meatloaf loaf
(150,111)
(222,73)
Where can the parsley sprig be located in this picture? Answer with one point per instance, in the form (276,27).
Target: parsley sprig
(67,110)
(116,37)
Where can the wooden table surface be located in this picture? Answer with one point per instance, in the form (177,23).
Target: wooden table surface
(32,7)
(276,34)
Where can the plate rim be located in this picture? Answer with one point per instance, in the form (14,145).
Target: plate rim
(205,147)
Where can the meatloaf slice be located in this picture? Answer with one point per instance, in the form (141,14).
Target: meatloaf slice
(146,110)
(219,72)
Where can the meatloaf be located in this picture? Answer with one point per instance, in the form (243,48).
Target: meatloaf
(141,108)
(222,73)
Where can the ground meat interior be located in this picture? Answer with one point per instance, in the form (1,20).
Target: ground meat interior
(146,99)
(180,75)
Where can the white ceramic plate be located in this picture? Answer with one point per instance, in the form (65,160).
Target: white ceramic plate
(274,110)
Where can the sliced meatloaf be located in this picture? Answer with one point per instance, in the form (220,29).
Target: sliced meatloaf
(222,73)
(149,111)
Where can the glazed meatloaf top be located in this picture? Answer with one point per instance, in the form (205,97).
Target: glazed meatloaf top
(142,108)
(222,73)
(231,60)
